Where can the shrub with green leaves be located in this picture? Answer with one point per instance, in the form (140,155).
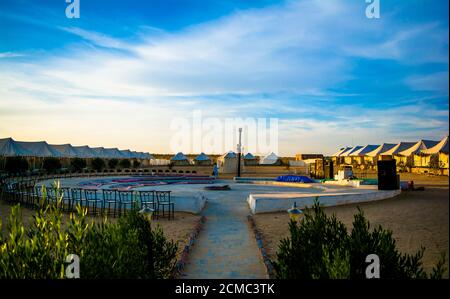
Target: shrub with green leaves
(98,164)
(77,164)
(320,247)
(51,165)
(129,248)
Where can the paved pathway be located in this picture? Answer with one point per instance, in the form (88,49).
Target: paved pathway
(226,247)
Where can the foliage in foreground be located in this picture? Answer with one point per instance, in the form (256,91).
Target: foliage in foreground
(320,247)
(129,248)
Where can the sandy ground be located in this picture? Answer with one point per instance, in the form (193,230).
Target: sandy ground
(177,230)
(418,218)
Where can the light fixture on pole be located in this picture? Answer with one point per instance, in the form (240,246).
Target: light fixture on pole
(147,212)
(294,212)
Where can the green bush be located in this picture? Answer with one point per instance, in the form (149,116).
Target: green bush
(136,164)
(51,165)
(125,163)
(129,248)
(16,165)
(321,247)
(112,163)
(77,164)
(98,164)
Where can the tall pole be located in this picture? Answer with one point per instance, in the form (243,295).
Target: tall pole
(239,150)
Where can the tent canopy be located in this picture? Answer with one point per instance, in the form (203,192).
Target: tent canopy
(249,156)
(351,151)
(10,148)
(66,150)
(179,157)
(230,154)
(341,151)
(382,148)
(269,159)
(399,147)
(441,147)
(39,149)
(364,150)
(202,157)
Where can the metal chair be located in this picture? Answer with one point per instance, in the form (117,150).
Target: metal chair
(77,197)
(110,198)
(126,198)
(147,198)
(66,199)
(90,196)
(164,200)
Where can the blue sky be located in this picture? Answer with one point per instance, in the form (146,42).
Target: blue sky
(122,72)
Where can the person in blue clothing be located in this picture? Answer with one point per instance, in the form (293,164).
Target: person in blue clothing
(215,170)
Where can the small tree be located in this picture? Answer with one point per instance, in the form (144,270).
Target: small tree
(125,163)
(112,163)
(77,164)
(136,164)
(16,165)
(435,163)
(51,164)
(98,164)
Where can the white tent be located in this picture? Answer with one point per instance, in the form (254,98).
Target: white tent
(270,159)
(99,152)
(84,151)
(202,157)
(39,149)
(418,147)
(441,147)
(66,150)
(364,150)
(341,151)
(9,148)
(249,156)
(399,147)
(179,157)
(351,151)
(382,148)
(126,154)
(112,153)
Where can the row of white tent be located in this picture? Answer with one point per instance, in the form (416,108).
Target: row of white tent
(272,158)
(406,149)
(11,148)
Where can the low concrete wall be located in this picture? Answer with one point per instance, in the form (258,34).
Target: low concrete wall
(189,204)
(263,203)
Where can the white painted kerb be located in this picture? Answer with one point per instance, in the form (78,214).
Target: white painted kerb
(262,203)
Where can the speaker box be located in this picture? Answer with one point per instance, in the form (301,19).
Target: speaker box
(387,175)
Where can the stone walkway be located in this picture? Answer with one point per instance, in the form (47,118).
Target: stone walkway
(226,248)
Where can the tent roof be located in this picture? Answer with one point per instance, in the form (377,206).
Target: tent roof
(202,157)
(230,154)
(364,150)
(179,157)
(401,146)
(84,151)
(99,152)
(112,153)
(39,149)
(441,147)
(269,159)
(341,151)
(249,156)
(382,148)
(66,150)
(8,147)
(126,154)
(351,151)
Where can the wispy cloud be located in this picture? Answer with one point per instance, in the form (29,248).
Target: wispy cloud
(289,61)
(10,55)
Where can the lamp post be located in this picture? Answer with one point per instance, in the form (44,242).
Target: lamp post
(147,212)
(294,212)
(239,150)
